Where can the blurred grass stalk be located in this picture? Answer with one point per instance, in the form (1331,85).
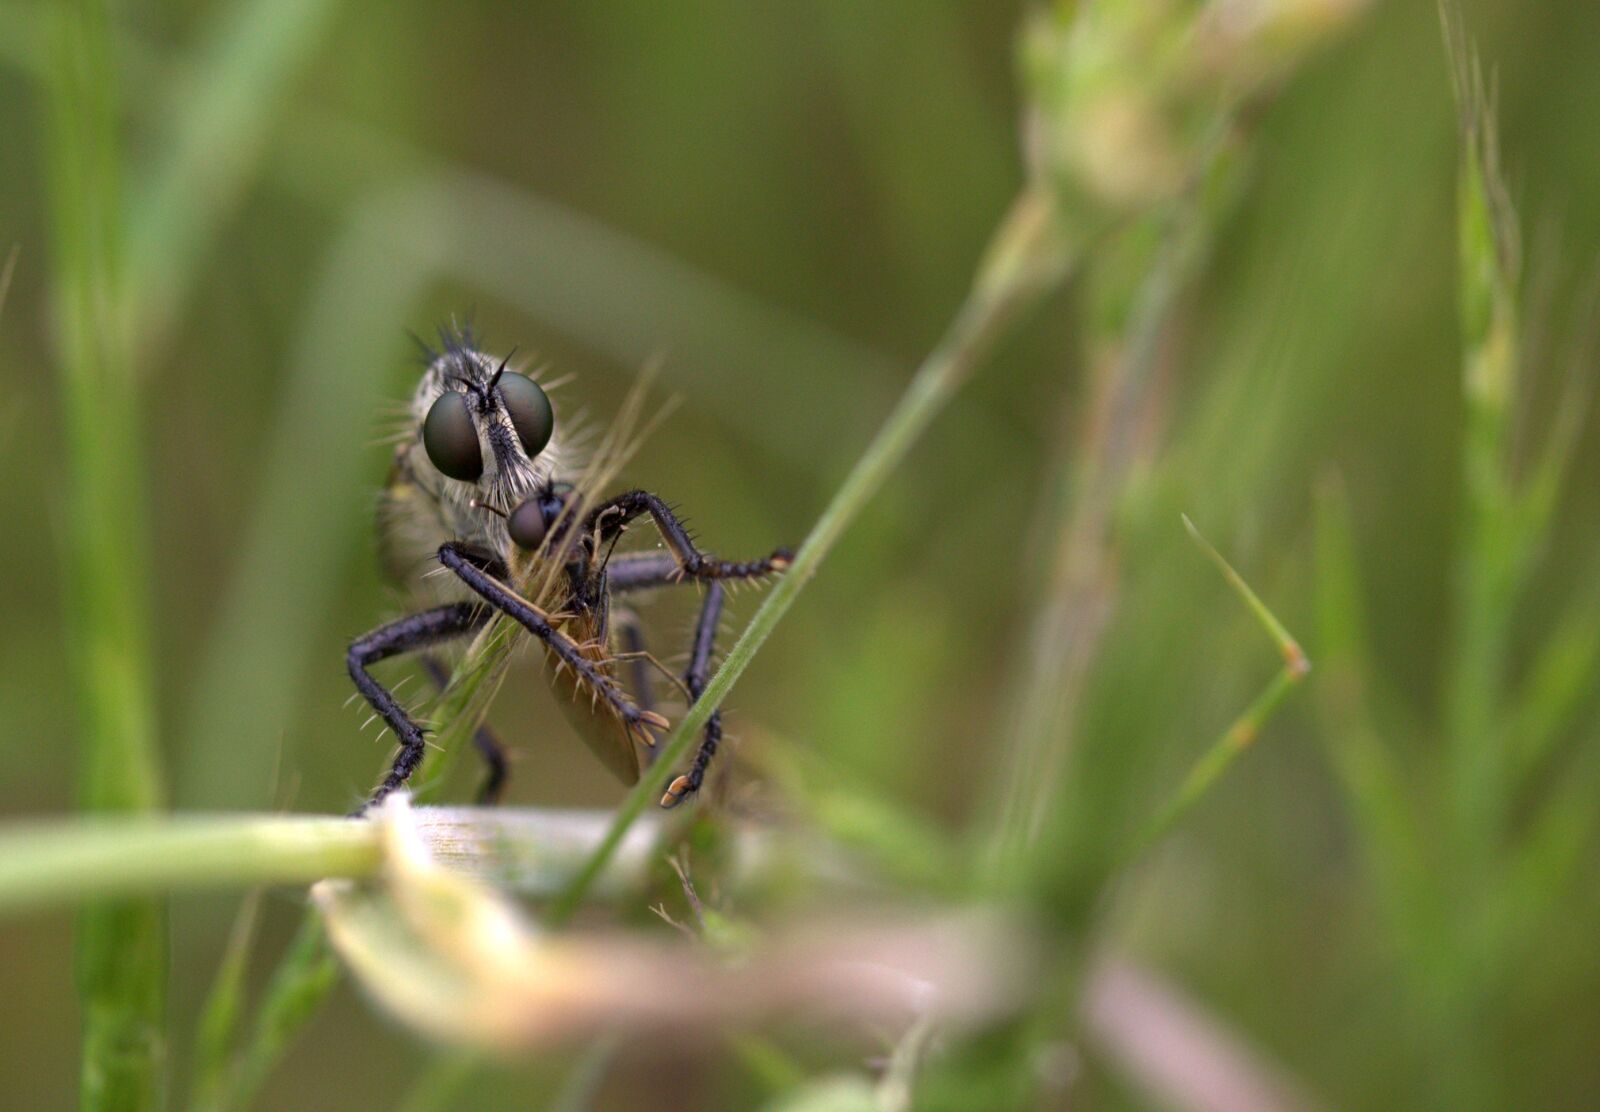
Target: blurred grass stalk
(1495,540)
(1470,896)
(303,979)
(1078,593)
(221,112)
(1244,730)
(1030,253)
(122,951)
(1136,119)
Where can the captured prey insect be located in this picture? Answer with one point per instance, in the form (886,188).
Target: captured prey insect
(483,487)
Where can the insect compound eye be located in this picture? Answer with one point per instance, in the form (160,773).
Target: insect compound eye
(526,524)
(530,411)
(451,438)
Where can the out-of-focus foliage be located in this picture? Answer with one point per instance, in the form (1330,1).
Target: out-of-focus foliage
(785,202)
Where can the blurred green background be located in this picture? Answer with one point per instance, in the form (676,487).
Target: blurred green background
(784,202)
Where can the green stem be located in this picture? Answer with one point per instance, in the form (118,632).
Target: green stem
(1027,256)
(122,948)
(48,865)
(1238,737)
(299,987)
(1217,760)
(531,852)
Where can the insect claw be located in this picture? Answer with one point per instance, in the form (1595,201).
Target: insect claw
(676,791)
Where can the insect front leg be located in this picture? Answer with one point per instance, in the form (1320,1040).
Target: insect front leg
(640,722)
(488,746)
(417,631)
(609,519)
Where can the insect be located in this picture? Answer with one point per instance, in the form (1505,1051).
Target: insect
(481,515)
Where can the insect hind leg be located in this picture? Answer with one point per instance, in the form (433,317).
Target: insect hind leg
(415,631)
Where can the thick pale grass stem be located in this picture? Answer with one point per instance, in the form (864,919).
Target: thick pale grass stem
(531,852)
(47,865)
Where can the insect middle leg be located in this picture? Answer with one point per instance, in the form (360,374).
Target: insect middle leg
(700,657)
(612,516)
(416,631)
(642,572)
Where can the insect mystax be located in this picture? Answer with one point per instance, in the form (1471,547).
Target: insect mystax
(483,514)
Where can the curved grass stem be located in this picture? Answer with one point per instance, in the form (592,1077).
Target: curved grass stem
(1028,255)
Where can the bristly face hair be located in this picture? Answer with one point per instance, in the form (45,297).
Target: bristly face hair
(509,473)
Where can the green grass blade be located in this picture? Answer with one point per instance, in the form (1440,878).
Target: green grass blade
(582,1083)
(1373,783)
(443,1081)
(313,506)
(122,953)
(1242,733)
(222,113)
(1141,277)
(1027,256)
(219,1018)
(1294,658)
(1487,568)
(1559,684)
(299,987)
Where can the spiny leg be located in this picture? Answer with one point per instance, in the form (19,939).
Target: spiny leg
(647,571)
(644,571)
(639,722)
(416,631)
(493,753)
(695,679)
(612,516)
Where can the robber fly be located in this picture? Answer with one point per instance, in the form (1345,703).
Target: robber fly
(482,516)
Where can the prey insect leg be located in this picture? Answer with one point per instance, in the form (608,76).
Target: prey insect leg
(633,645)
(639,722)
(611,516)
(700,657)
(488,746)
(417,631)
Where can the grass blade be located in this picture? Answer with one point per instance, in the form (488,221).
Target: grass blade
(302,982)
(219,1019)
(1371,778)
(1488,564)
(122,958)
(1242,733)
(443,1080)
(223,113)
